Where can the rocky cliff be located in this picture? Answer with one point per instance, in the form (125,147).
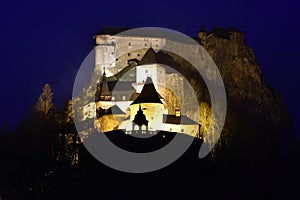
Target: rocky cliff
(257,123)
(257,120)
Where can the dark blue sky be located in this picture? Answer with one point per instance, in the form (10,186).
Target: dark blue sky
(46,41)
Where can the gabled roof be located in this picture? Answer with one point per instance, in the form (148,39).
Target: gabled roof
(114,110)
(173,119)
(148,94)
(120,86)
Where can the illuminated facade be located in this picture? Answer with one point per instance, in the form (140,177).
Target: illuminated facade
(150,102)
(109,44)
(119,103)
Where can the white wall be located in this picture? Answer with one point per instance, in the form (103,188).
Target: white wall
(192,129)
(155,71)
(108,48)
(89,110)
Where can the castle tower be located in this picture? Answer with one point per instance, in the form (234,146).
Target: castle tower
(149,67)
(105,49)
(103,95)
(202,34)
(151,105)
(140,120)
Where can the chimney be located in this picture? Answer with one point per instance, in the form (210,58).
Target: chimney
(177,113)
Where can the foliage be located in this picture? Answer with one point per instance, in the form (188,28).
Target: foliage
(44,103)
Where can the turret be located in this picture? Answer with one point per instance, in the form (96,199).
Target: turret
(103,95)
(202,34)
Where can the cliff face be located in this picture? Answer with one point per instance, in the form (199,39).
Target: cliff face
(257,124)
(241,73)
(256,114)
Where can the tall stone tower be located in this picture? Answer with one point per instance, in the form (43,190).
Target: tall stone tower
(113,50)
(151,104)
(149,67)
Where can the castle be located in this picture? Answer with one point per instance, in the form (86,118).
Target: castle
(141,101)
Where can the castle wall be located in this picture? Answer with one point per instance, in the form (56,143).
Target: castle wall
(189,129)
(89,110)
(113,52)
(155,71)
(174,92)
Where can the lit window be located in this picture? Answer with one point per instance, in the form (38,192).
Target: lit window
(124,98)
(113,98)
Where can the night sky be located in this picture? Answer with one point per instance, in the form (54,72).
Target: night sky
(46,41)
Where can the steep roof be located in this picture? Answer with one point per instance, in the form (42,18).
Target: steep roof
(114,110)
(173,119)
(148,94)
(150,57)
(104,90)
(120,86)
(160,57)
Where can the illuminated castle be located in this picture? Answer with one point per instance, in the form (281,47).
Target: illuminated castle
(150,104)
(121,103)
(123,107)
(146,112)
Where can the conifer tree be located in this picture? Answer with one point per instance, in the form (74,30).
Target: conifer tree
(44,103)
